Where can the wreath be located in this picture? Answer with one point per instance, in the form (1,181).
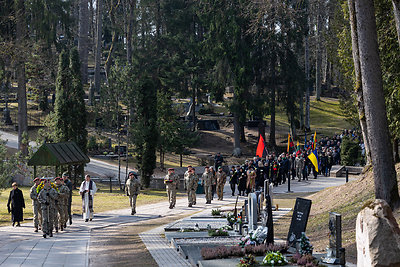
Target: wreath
(41,186)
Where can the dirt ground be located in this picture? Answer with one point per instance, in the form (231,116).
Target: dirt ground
(122,246)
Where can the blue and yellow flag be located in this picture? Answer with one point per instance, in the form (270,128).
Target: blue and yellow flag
(314,159)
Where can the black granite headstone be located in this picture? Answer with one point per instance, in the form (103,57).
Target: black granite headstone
(269,222)
(299,220)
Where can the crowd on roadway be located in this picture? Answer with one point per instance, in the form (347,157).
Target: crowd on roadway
(250,176)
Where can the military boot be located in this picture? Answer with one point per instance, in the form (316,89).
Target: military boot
(56,229)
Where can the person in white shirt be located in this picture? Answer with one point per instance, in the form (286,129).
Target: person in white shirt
(87,190)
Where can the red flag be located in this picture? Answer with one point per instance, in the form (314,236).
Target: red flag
(290,143)
(261,148)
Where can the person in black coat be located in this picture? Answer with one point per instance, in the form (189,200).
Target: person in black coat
(16,199)
(242,181)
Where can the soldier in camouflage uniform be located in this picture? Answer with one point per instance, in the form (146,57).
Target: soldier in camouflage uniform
(46,198)
(132,189)
(299,162)
(191,182)
(171,182)
(206,181)
(35,205)
(221,180)
(61,204)
(68,184)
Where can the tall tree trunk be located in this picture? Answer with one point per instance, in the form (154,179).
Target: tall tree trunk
(242,133)
(396,11)
(237,151)
(272,140)
(92,25)
(318,65)
(99,30)
(109,60)
(131,23)
(307,97)
(396,155)
(375,110)
(21,79)
(301,107)
(83,38)
(358,83)
(193,111)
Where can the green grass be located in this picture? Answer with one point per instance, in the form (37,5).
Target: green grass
(103,201)
(326,117)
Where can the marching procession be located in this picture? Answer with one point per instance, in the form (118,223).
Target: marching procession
(51,201)
(52,198)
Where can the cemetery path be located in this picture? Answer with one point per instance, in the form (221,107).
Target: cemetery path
(20,246)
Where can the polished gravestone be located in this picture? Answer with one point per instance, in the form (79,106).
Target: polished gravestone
(299,221)
(334,251)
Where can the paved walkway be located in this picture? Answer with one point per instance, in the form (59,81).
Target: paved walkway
(20,246)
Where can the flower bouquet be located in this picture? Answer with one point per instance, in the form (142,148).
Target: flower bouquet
(219,232)
(274,259)
(247,261)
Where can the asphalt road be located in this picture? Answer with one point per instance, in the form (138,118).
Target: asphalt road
(95,166)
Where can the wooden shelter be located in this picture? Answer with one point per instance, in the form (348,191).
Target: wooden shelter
(58,155)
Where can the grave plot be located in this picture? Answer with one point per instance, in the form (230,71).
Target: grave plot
(197,224)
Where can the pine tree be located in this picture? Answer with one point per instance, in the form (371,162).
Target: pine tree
(63,100)
(78,110)
(70,111)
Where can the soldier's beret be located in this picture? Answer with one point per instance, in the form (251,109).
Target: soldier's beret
(219,168)
(206,167)
(36,179)
(171,169)
(57,178)
(190,166)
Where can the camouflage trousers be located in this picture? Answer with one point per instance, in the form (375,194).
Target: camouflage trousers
(132,202)
(36,211)
(220,191)
(48,214)
(208,192)
(67,210)
(171,193)
(191,196)
(60,218)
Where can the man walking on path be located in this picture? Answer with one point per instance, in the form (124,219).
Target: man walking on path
(132,189)
(47,197)
(221,180)
(171,182)
(87,190)
(206,181)
(191,185)
(68,183)
(37,212)
(61,204)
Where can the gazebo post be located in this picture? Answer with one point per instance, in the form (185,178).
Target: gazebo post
(34,171)
(56,171)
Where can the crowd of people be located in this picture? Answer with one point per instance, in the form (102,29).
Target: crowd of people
(250,176)
(51,203)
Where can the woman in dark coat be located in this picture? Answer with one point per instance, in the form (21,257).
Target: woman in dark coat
(242,181)
(17,202)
